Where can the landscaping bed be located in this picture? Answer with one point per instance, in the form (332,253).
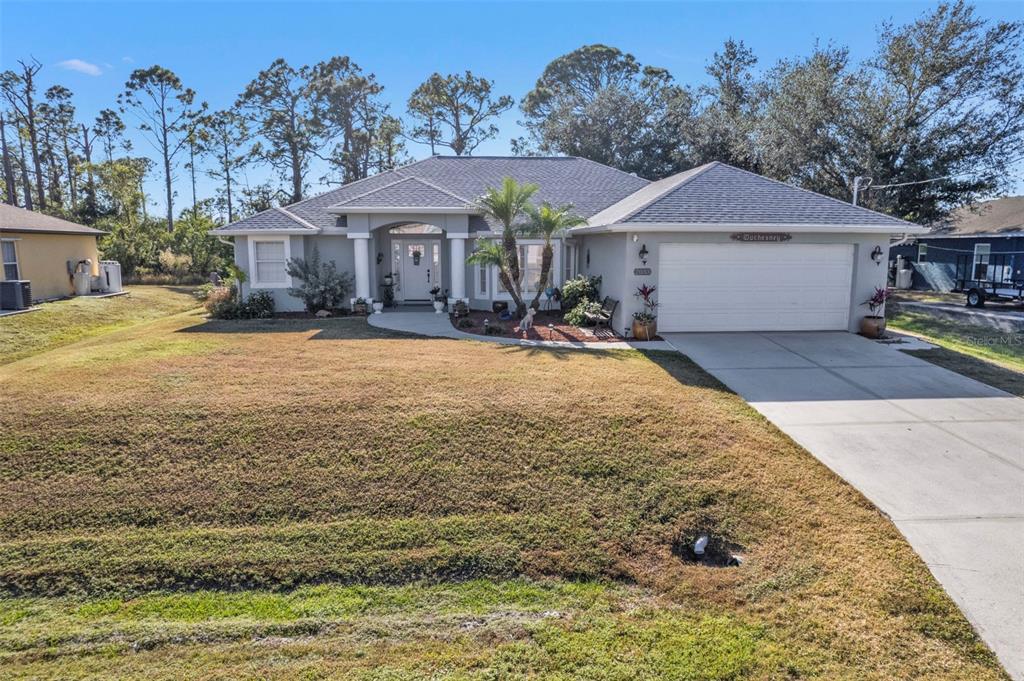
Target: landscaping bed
(547,325)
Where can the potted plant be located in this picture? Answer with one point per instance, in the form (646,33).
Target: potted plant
(359,306)
(645,322)
(435,293)
(389,279)
(378,306)
(873,325)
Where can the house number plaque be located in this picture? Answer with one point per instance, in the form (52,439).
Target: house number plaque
(762,237)
(641,271)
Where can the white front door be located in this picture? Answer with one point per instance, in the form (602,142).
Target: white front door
(421,267)
(754,287)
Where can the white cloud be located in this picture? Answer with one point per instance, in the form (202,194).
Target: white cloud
(127,60)
(80,66)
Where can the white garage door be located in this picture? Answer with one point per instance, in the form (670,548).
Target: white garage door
(754,287)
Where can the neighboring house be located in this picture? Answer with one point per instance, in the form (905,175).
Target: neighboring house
(726,248)
(44,250)
(989,233)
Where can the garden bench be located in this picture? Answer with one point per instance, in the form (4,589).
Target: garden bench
(603,317)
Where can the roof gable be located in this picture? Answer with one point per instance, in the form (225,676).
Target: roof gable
(409,192)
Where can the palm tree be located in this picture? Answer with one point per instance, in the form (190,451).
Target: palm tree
(505,205)
(547,222)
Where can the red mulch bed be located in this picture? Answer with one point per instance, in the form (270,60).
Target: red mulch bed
(560,331)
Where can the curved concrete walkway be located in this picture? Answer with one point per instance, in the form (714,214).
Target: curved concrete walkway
(439,326)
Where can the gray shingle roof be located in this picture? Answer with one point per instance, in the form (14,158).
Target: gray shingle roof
(14,219)
(409,192)
(589,186)
(718,193)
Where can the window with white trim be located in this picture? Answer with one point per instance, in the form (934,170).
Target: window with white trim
(530,256)
(568,262)
(10,258)
(982,255)
(481,273)
(922,252)
(270,262)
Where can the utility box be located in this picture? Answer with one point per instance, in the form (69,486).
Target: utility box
(83,283)
(110,274)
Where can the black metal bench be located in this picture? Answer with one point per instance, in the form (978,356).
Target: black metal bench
(603,317)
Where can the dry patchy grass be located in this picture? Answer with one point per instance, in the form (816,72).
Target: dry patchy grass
(251,460)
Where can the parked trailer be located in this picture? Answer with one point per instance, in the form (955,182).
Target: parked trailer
(991,279)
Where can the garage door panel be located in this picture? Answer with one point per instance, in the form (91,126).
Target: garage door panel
(754,287)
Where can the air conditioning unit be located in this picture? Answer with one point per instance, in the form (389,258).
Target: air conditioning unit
(110,272)
(13,295)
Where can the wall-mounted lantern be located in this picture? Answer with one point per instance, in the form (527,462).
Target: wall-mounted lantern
(876,255)
(643,254)
(380,257)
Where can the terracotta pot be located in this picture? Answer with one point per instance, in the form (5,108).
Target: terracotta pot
(359,308)
(872,327)
(645,330)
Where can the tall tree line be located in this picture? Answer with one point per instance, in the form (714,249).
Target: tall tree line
(938,109)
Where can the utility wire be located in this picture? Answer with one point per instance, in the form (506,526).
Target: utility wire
(934,179)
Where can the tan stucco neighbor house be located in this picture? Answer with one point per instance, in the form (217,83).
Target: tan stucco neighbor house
(37,247)
(727,249)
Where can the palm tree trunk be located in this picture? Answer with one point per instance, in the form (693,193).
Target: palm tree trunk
(547,255)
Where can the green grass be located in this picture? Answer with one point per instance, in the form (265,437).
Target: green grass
(66,321)
(979,352)
(315,498)
(477,629)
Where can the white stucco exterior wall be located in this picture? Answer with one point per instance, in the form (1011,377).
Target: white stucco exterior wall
(615,256)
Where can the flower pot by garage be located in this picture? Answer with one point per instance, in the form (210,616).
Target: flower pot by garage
(872,326)
(438,306)
(389,280)
(378,307)
(644,330)
(359,308)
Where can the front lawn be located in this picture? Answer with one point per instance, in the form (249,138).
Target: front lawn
(315,498)
(66,321)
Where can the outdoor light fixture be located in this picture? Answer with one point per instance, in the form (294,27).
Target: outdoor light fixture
(636,237)
(643,254)
(380,257)
(876,255)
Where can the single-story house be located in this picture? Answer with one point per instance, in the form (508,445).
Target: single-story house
(45,250)
(989,233)
(727,249)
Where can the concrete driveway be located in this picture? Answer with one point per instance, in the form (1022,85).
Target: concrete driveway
(941,454)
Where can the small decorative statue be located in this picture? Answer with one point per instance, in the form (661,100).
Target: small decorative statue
(527,321)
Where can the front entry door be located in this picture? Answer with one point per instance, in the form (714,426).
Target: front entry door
(421,265)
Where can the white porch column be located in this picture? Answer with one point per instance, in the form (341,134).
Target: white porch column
(458,265)
(361,248)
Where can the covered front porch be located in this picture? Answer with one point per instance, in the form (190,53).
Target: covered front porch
(416,256)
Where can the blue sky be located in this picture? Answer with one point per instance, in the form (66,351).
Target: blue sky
(218,47)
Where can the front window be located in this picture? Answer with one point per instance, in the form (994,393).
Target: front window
(529,262)
(922,252)
(10,258)
(568,262)
(270,261)
(982,254)
(482,272)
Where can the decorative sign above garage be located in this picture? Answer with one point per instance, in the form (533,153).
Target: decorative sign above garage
(762,237)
